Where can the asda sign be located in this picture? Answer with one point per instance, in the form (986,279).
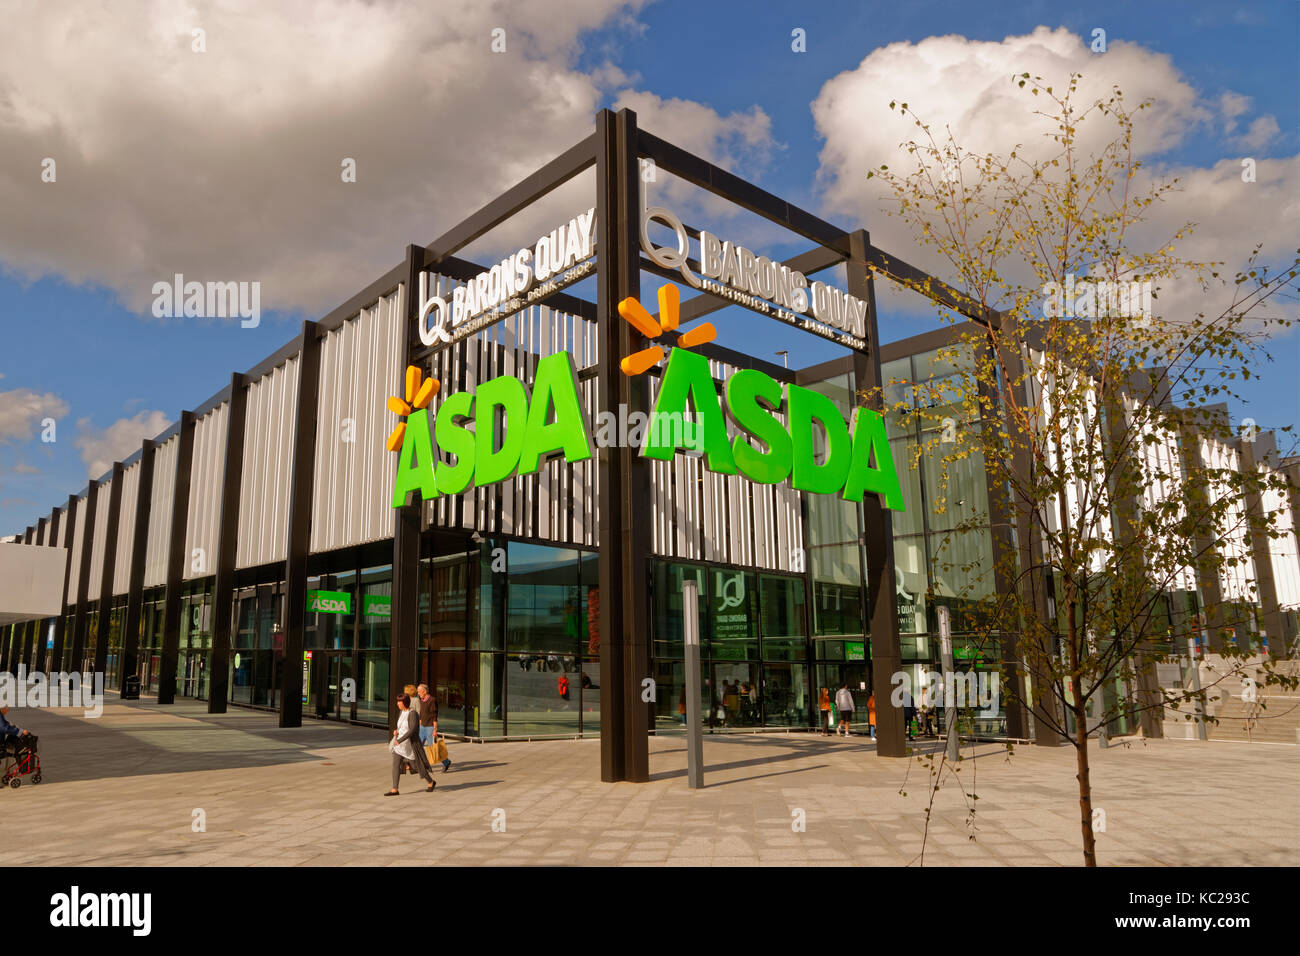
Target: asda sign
(329,602)
(503,428)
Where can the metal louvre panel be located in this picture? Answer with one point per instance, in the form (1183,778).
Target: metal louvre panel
(160,512)
(207,467)
(1283,552)
(96,579)
(268,441)
(126,528)
(78,538)
(361,365)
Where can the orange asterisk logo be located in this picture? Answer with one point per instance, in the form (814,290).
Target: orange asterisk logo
(418,395)
(669,312)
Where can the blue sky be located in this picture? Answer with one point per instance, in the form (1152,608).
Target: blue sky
(71,332)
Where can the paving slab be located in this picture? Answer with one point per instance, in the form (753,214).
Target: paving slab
(150,785)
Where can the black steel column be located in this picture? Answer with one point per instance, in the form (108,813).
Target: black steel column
(79,621)
(223,596)
(302,470)
(135,577)
(106,577)
(882,601)
(175,579)
(622,478)
(70,523)
(405,611)
(44,536)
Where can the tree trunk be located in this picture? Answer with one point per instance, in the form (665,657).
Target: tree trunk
(1085,780)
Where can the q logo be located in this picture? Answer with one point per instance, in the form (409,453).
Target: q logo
(731,591)
(668,256)
(431,334)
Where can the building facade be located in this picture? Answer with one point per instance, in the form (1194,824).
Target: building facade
(252,554)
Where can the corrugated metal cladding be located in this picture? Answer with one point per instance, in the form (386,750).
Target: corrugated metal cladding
(160,511)
(558,502)
(703,516)
(126,528)
(207,466)
(96,577)
(78,538)
(264,488)
(361,365)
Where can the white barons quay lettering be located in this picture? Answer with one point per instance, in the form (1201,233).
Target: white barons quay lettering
(500,286)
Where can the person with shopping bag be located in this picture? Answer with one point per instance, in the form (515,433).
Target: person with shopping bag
(435,749)
(405,749)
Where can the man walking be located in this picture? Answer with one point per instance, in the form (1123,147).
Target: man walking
(428,710)
(844,704)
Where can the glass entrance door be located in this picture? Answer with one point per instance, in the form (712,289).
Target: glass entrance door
(329,674)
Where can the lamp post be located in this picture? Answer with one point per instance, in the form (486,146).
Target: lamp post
(949,683)
(694,726)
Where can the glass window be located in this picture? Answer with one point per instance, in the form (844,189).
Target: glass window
(735,695)
(669,635)
(486,714)
(543,694)
(375,630)
(544,604)
(733,615)
(962,495)
(333,630)
(445,602)
(786,695)
(912,583)
(784,624)
(837,609)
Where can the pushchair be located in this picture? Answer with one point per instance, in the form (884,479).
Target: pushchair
(20,760)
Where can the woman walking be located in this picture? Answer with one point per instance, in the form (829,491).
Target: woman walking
(824,707)
(405,746)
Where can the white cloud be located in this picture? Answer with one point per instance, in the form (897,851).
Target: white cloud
(968,86)
(22,410)
(99,449)
(225,165)
(1261,133)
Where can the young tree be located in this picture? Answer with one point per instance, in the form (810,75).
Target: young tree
(1095,411)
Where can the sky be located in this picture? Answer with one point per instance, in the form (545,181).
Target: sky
(216,154)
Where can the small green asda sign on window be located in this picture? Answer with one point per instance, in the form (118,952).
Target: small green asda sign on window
(855,650)
(376,605)
(329,602)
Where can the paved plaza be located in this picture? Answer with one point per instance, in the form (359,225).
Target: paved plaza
(125,790)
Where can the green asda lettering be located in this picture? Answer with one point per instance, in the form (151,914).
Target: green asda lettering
(512,433)
(752,400)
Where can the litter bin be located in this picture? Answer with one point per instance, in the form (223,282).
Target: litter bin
(131,688)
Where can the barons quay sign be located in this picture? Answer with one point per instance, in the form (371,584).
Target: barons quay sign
(501,430)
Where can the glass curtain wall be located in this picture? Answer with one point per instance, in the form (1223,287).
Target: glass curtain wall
(259,645)
(935,563)
(754,653)
(837,568)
